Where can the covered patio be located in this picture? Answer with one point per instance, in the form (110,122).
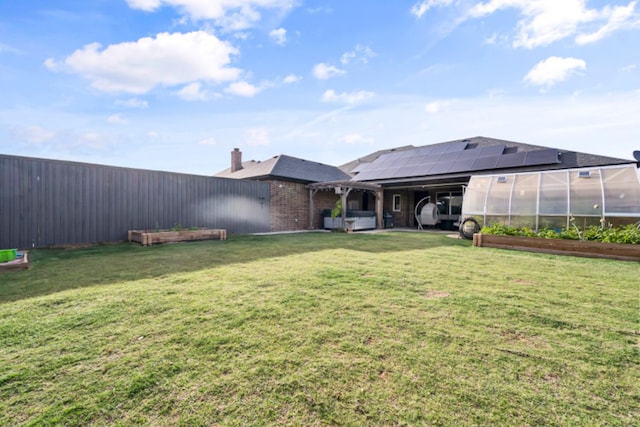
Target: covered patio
(343,189)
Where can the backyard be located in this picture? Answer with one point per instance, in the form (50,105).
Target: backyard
(319,329)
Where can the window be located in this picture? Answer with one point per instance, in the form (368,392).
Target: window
(396,203)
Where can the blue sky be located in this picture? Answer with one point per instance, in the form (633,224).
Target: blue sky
(177,84)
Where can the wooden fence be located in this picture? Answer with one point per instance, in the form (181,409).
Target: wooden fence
(53,203)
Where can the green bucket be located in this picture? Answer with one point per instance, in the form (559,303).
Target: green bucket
(7,255)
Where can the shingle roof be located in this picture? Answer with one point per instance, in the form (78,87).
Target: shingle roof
(445,159)
(286,167)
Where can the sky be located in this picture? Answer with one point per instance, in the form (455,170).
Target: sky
(176,85)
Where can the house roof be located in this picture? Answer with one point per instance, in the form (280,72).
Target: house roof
(288,168)
(350,166)
(462,158)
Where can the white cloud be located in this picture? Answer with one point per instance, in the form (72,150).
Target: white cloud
(423,7)
(242,35)
(279,36)
(628,68)
(9,49)
(491,40)
(619,17)
(554,70)
(117,119)
(208,141)
(546,21)
(360,54)
(291,78)
(432,107)
(314,10)
(133,103)
(324,71)
(228,14)
(32,134)
(349,98)
(356,138)
(146,5)
(167,60)
(90,139)
(193,92)
(242,88)
(257,137)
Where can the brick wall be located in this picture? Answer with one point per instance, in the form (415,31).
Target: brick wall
(289,206)
(289,209)
(321,201)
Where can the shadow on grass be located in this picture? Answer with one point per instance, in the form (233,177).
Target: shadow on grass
(55,270)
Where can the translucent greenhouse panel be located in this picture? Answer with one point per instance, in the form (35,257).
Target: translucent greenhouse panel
(553,222)
(520,221)
(476,194)
(498,199)
(524,198)
(553,193)
(622,191)
(585,192)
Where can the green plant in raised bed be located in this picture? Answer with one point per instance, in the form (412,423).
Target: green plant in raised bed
(629,234)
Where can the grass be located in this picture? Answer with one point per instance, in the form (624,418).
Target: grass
(319,329)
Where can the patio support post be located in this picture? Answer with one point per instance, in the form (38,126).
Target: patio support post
(379,208)
(345,194)
(312,193)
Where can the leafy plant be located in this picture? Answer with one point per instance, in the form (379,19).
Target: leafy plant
(337,209)
(629,234)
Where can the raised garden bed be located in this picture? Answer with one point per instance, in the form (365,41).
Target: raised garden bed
(165,236)
(19,263)
(580,248)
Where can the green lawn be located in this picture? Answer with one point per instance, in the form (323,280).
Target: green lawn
(319,329)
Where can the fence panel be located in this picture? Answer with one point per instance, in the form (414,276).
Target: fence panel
(51,203)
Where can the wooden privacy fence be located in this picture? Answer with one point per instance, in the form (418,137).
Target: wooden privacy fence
(51,203)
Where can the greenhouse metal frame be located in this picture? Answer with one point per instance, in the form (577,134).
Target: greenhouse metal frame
(555,198)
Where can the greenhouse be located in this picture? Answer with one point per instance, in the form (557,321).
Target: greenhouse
(555,199)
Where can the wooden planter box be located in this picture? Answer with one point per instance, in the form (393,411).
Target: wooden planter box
(21,263)
(560,246)
(150,237)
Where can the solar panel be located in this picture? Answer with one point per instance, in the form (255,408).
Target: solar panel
(542,157)
(396,163)
(468,154)
(413,161)
(454,147)
(483,163)
(511,160)
(438,149)
(439,168)
(462,165)
(450,158)
(423,169)
(405,154)
(445,162)
(421,151)
(492,150)
(361,167)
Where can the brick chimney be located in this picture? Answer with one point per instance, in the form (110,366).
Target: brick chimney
(236,160)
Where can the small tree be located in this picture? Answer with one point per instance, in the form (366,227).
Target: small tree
(337,210)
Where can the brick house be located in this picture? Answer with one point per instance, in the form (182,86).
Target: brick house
(288,178)
(396,181)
